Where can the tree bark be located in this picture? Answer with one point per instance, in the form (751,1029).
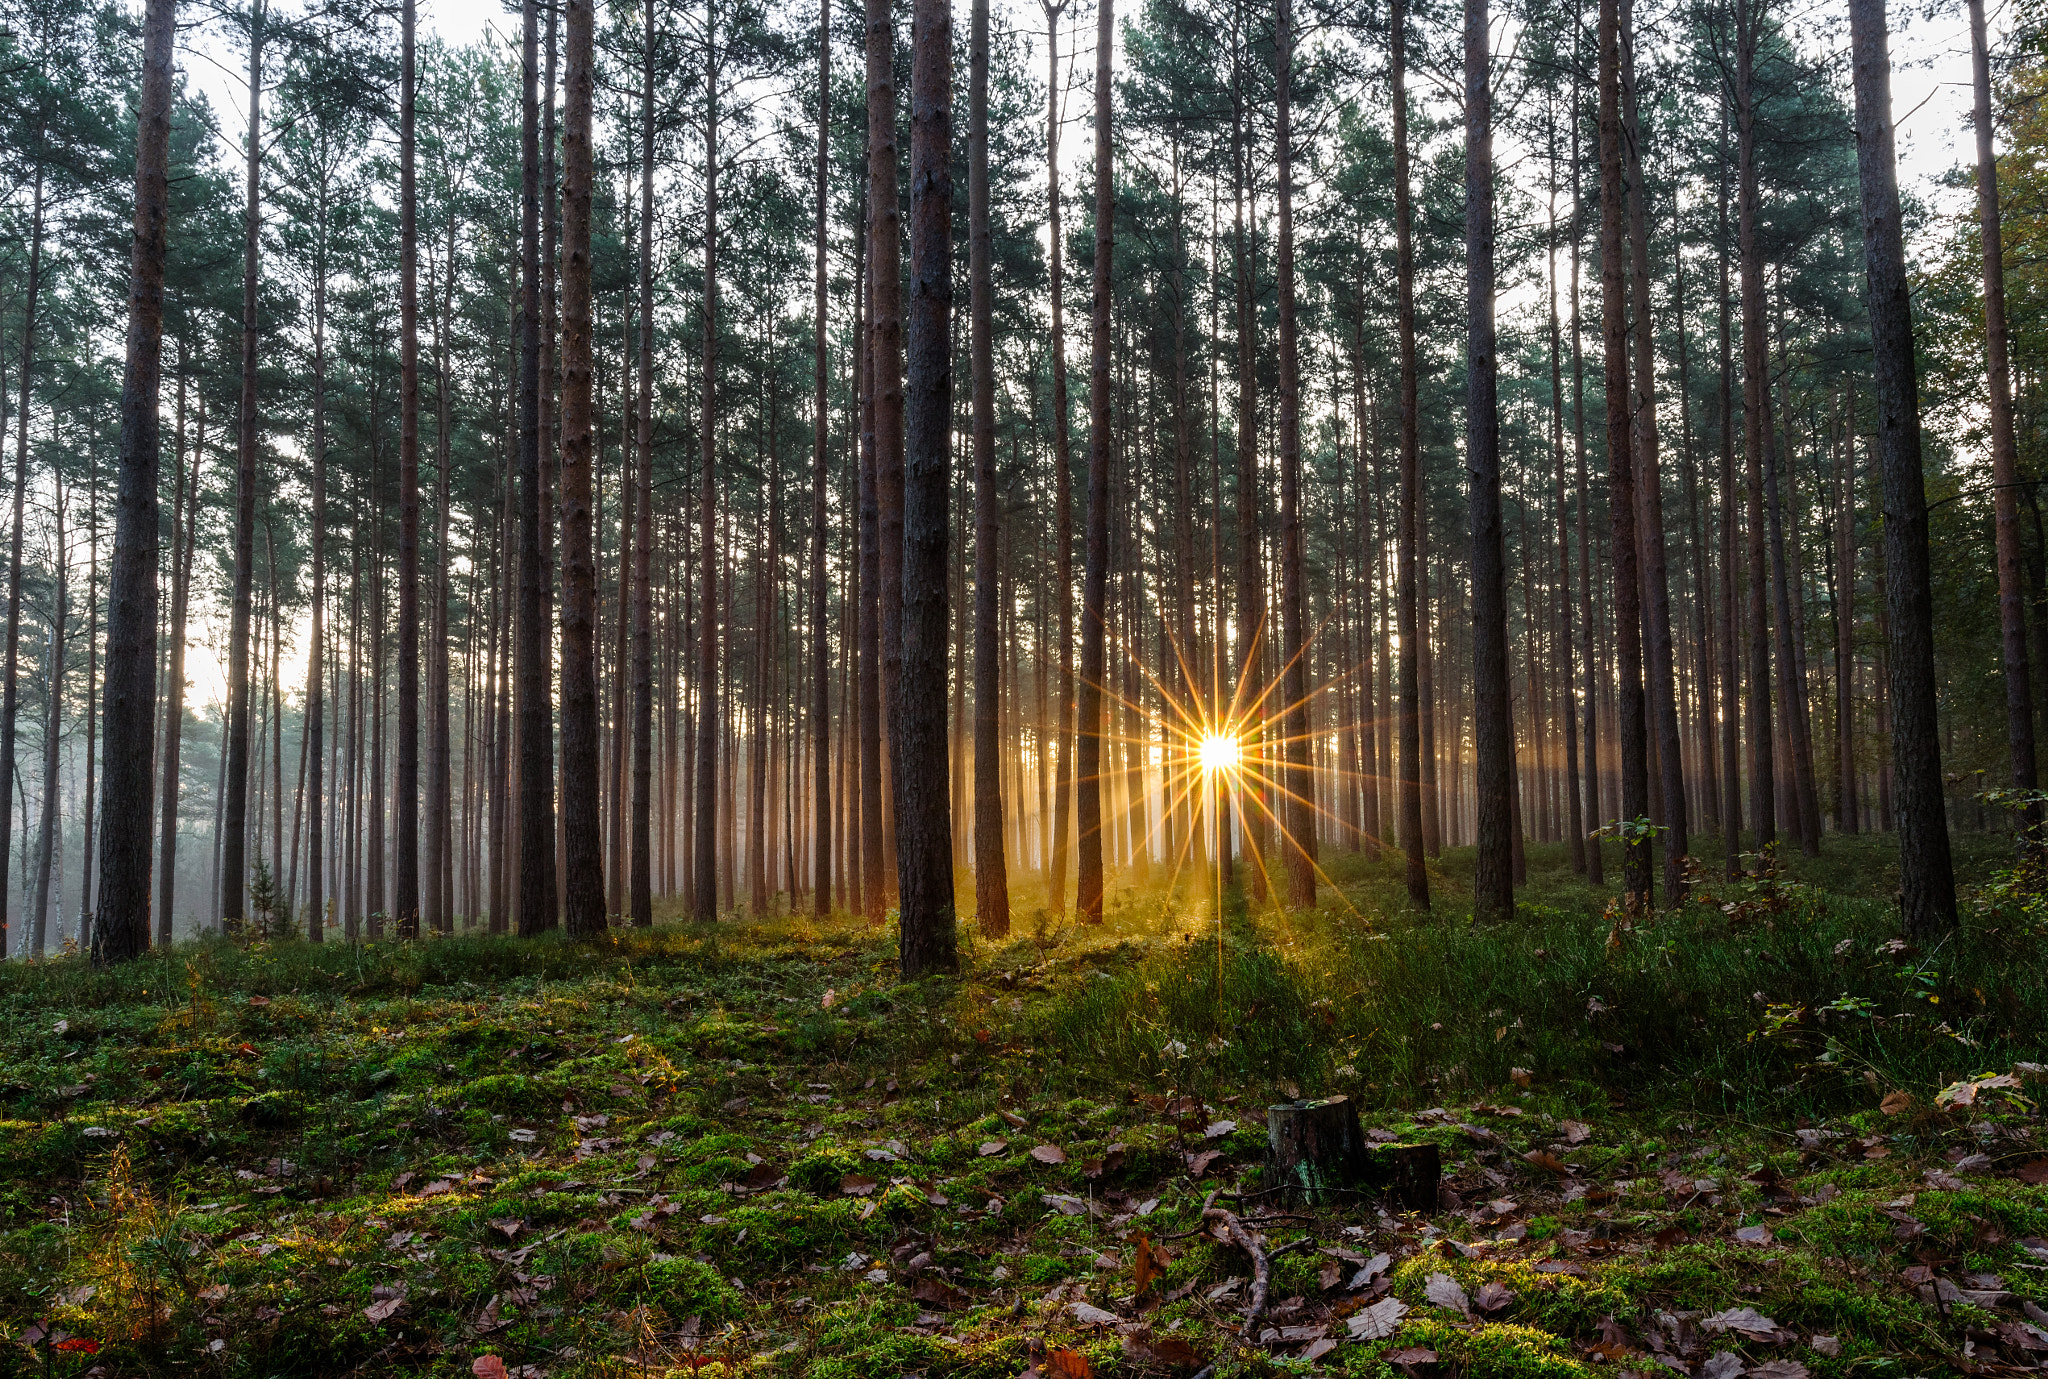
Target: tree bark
(1298,783)
(922,782)
(821,696)
(235,797)
(1658,654)
(121,930)
(1621,500)
(405,803)
(1063,471)
(1493,893)
(991,869)
(1088,756)
(640,869)
(583,846)
(536,845)
(1407,607)
(1926,876)
(704,903)
(1756,394)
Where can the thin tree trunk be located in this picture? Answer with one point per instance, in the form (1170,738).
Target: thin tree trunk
(1926,877)
(640,885)
(535,852)
(46,833)
(1297,781)
(1088,754)
(1659,660)
(1621,476)
(583,844)
(122,928)
(405,805)
(235,804)
(1749,16)
(1493,725)
(1408,612)
(704,902)
(991,865)
(821,701)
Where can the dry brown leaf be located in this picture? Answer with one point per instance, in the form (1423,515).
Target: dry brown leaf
(1444,1291)
(990,1148)
(1521,1077)
(1377,1322)
(853,1185)
(1575,1131)
(936,1292)
(1048,1153)
(1144,1265)
(1547,1161)
(1896,1103)
(487,1367)
(2033,1171)
(1492,1296)
(1068,1364)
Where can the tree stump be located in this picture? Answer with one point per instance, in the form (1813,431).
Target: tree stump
(1316,1151)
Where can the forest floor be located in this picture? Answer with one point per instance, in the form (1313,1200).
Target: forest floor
(1755,1135)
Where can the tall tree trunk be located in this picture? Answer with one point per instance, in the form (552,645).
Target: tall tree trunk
(1493,893)
(53,719)
(316,703)
(235,799)
(885,337)
(924,810)
(1756,393)
(1298,782)
(1658,656)
(704,903)
(1575,814)
(536,845)
(583,844)
(1926,878)
(991,868)
(1596,870)
(10,695)
(869,622)
(640,885)
(405,804)
(821,696)
(1088,755)
(2005,459)
(121,930)
(1248,698)
(1063,470)
(1621,477)
(1731,678)
(1408,613)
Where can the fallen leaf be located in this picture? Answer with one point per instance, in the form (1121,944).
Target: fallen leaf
(937,1292)
(1896,1103)
(1048,1154)
(1144,1264)
(1492,1296)
(381,1311)
(1442,1290)
(1575,1131)
(990,1148)
(1409,1356)
(1198,1164)
(1088,1314)
(1068,1364)
(1825,1345)
(1377,1322)
(1754,1235)
(2033,1171)
(1218,1129)
(1746,1321)
(1778,1369)
(1521,1077)
(1066,1204)
(1317,1349)
(1016,1122)
(853,1185)
(1725,1364)
(1370,1270)
(487,1367)
(1174,1351)
(1547,1161)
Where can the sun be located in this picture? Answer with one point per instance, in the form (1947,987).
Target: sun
(1219,752)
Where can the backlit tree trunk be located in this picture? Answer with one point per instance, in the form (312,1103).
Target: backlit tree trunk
(1088,756)
(1408,610)
(121,928)
(991,868)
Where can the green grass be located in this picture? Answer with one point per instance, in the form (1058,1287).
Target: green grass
(634,1157)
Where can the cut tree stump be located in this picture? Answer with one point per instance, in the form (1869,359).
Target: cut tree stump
(1316,1151)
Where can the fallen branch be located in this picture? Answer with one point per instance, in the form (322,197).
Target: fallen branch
(1262,1263)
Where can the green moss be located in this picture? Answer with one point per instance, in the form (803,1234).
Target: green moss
(686,1288)
(1496,1350)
